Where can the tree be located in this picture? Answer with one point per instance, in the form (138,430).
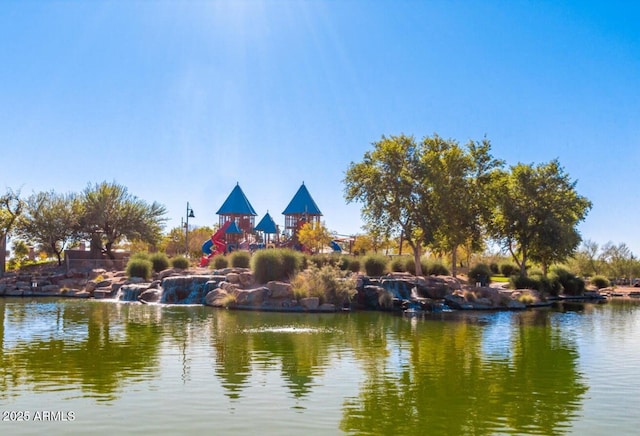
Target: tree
(109,214)
(314,235)
(619,260)
(10,209)
(460,178)
(50,220)
(537,212)
(388,182)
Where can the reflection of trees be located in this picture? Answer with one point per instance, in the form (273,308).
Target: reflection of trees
(247,342)
(450,387)
(82,348)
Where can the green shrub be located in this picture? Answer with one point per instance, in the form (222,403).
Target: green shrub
(276,264)
(508,269)
(327,283)
(160,261)
(319,260)
(436,269)
(600,282)
(219,262)
(410,266)
(495,269)
(521,282)
(180,262)
(375,265)
(240,259)
(571,285)
(292,262)
(345,262)
(137,267)
(480,273)
(267,265)
(354,265)
(140,255)
(399,264)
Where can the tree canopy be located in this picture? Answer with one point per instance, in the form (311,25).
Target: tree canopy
(537,212)
(109,214)
(10,209)
(51,221)
(432,193)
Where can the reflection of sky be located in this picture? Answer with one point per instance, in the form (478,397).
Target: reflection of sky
(496,336)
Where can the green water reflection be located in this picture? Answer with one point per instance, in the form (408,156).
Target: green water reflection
(480,373)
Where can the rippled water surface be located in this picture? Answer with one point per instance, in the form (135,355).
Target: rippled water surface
(69,366)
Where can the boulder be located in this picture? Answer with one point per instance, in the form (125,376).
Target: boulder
(50,289)
(246,279)
(310,303)
(97,272)
(150,296)
(252,297)
(327,307)
(278,290)
(229,287)
(233,278)
(216,298)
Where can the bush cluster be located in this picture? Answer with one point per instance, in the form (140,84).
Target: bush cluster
(508,269)
(219,262)
(328,283)
(240,259)
(375,265)
(560,280)
(275,264)
(480,273)
(180,262)
(139,267)
(600,282)
(160,261)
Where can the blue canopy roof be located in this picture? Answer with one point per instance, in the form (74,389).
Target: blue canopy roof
(233,228)
(302,203)
(236,204)
(267,225)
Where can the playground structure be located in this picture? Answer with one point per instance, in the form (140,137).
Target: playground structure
(236,225)
(217,241)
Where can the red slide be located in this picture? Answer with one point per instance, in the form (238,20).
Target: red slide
(217,240)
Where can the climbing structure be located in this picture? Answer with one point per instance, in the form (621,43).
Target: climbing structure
(301,210)
(237,208)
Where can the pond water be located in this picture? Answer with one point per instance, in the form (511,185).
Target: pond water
(78,367)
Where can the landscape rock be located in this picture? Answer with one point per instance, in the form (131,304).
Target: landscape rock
(310,303)
(278,290)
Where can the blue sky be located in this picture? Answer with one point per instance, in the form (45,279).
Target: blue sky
(179,101)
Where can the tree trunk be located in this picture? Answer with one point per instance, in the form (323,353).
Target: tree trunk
(3,253)
(416,257)
(454,261)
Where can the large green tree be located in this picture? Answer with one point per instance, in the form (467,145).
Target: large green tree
(10,209)
(538,210)
(110,214)
(49,220)
(461,178)
(389,184)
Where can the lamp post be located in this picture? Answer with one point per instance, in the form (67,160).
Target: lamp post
(186,227)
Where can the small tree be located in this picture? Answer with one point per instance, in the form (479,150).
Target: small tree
(314,235)
(10,209)
(109,214)
(50,220)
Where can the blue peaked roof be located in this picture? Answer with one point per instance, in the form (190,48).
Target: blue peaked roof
(233,228)
(267,224)
(302,203)
(236,204)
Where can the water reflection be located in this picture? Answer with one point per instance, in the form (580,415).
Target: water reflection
(452,373)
